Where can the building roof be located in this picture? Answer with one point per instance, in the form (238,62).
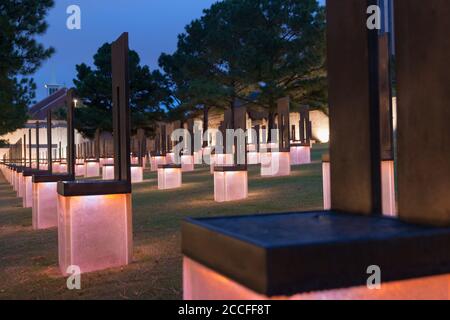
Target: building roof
(53,102)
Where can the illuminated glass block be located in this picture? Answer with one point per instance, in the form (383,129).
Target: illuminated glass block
(198,157)
(104,161)
(252,148)
(7,173)
(137,174)
(169,177)
(28,192)
(206,150)
(80,169)
(15,183)
(108,172)
(268,146)
(388,188)
(135,160)
(56,167)
(18,182)
(230,185)
(203,283)
(44,208)
(220,159)
(170,158)
(10,176)
(92,169)
(212,163)
(253,157)
(275,164)
(300,155)
(13,178)
(187,163)
(44,205)
(326,183)
(20,185)
(63,167)
(94,232)
(156,161)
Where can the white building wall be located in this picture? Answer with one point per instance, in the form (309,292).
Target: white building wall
(59,134)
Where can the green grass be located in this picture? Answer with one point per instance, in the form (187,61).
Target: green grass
(29,259)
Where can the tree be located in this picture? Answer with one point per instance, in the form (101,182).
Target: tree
(259,51)
(193,89)
(20,56)
(278,46)
(148,91)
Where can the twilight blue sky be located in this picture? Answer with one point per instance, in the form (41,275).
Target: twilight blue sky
(153,26)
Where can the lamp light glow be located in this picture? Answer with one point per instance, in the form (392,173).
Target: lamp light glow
(203,283)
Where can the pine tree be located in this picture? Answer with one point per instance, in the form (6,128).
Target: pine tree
(20,56)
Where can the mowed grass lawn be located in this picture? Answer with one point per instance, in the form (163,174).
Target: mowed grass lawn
(29,259)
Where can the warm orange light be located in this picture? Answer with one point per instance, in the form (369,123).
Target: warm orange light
(92,169)
(137,174)
(220,159)
(169,178)
(230,186)
(170,158)
(388,188)
(80,169)
(108,173)
(202,283)
(44,209)
(326,183)
(275,164)
(94,232)
(28,192)
(300,155)
(187,163)
(156,161)
(323,135)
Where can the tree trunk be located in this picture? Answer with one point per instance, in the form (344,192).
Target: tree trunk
(232,114)
(271,125)
(205,124)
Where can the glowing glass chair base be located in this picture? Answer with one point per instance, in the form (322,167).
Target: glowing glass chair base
(230,183)
(300,154)
(169,176)
(44,209)
(275,163)
(92,169)
(94,225)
